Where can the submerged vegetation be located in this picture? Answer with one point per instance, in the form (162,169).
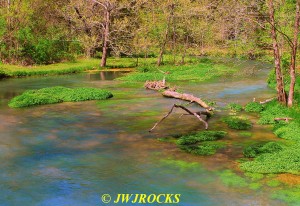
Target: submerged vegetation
(274,157)
(58,94)
(235,107)
(239,123)
(254,107)
(202,143)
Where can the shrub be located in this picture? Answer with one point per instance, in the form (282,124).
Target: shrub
(58,94)
(238,123)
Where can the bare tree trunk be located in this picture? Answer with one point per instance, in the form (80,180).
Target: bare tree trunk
(106,38)
(163,46)
(184,49)
(281,96)
(293,55)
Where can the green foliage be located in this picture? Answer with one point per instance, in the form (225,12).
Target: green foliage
(205,148)
(285,160)
(3,74)
(286,130)
(254,176)
(239,123)
(53,69)
(199,143)
(261,148)
(197,72)
(290,131)
(273,110)
(200,137)
(235,107)
(254,107)
(57,94)
(230,179)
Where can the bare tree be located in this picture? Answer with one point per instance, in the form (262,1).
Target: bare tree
(293,55)
(281,95)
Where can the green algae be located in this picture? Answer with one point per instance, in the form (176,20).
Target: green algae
(255,186)
(230,179)
(254,176)
(289,195)
(183,166)
(245,134)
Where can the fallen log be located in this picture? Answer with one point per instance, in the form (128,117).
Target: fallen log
(266,101)
(196,114)
(156,85)
(187,97)
(283,119)
(171,92)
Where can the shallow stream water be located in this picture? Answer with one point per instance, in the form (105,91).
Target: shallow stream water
(73,153)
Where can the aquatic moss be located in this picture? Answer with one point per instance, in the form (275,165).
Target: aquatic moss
(52,95)
(201,143)
(261,148)
(286,160)
(239,123)
(254,176)
(235,107)
(254,107)
(200,137)
(205,148)
(230,179)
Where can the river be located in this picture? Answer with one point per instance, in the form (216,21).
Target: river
(73,153)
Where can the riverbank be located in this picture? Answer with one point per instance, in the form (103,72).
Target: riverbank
(82,65)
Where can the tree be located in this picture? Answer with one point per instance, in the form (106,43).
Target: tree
(294,55)
(281,95)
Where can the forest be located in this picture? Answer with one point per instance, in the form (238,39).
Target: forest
(97,95)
